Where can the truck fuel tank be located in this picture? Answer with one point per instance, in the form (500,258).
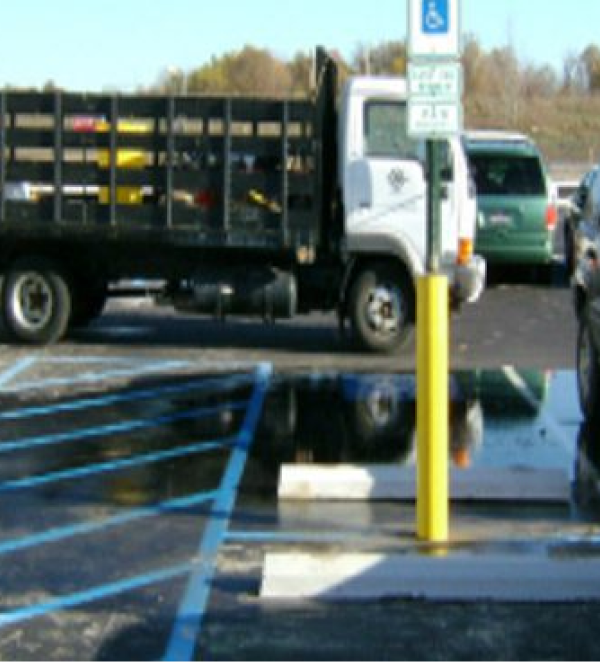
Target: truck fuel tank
(254,291)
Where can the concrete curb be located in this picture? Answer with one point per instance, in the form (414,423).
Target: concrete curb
(390,482)
(452,577)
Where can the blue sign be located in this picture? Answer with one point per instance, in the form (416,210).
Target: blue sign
(435,17)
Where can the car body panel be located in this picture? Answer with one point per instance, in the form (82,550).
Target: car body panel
(594,320)
(513,229)
(577,219)
(513,198)
(586,289)
(593,295)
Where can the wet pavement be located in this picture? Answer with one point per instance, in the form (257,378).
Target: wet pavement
(138,499)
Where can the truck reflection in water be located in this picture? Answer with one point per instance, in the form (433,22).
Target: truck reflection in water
(372,419)
(314,418)
(350,418)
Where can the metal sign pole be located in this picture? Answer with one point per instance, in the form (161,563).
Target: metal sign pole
(434,113)
(433,233)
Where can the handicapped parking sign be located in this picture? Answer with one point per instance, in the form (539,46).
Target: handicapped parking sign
(434,28)
(435,16)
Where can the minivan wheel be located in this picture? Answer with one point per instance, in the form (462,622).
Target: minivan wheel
(588,371)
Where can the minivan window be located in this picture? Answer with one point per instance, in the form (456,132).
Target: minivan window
(499,174)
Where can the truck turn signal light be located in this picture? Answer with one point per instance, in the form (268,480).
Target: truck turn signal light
(465,251)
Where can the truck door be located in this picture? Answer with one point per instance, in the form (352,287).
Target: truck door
(386,192)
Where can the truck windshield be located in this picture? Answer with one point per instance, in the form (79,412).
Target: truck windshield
(386,132)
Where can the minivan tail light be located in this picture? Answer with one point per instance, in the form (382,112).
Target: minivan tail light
(551,217)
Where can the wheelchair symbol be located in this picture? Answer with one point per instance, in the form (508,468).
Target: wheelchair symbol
(435,16)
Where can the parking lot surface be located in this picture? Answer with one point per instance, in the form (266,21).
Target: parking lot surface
(139,488)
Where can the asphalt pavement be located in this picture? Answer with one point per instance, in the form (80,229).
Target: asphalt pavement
(141,465)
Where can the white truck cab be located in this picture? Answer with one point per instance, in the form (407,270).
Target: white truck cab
(382,175)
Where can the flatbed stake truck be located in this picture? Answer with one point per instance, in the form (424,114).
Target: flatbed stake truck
(240,206)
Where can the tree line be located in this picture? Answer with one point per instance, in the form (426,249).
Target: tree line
(558,108)
(257,71)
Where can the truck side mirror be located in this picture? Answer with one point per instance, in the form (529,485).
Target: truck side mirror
(447,173)
(447,167)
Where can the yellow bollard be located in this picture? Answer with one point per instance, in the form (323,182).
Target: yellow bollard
(432,408)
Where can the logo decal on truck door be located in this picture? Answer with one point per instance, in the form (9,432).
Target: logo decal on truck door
(397,179)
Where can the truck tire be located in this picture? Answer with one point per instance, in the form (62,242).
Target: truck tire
(36,302)
(381,307)
(588,372)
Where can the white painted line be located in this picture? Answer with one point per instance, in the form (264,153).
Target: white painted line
(391,482)
(16,369)
(464,577)
(527,394)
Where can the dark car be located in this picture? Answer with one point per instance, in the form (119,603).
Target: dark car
(517,214)
(587,302)
(581,205)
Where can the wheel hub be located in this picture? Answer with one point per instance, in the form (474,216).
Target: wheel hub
(384,310)
(32,301)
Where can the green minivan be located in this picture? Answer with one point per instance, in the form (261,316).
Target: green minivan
(517,214)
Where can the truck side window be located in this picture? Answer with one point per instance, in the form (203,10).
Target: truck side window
(385,132)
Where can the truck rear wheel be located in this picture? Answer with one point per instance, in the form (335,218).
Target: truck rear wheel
(36,302)
(381,308)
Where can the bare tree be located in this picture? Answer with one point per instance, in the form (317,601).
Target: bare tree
(387,58)
(574,74)
(591,61)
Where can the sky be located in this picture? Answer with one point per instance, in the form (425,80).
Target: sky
(99,45)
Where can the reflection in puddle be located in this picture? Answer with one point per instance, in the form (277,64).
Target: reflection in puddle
(368,418)
(505,418)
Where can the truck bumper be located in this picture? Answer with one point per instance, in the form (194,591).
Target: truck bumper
(469,281)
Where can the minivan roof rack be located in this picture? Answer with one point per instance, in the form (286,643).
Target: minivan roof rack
(496,136)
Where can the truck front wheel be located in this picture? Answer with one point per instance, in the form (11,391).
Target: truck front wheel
(381,307)
(36,302)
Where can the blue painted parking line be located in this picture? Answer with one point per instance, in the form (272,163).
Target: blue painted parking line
(116,465)
(190,615)
(107,360)
(96,593)
(120,367)
(216,384)
(61,533)
(202,567)
(134,425)
(136,370)
(292,537)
